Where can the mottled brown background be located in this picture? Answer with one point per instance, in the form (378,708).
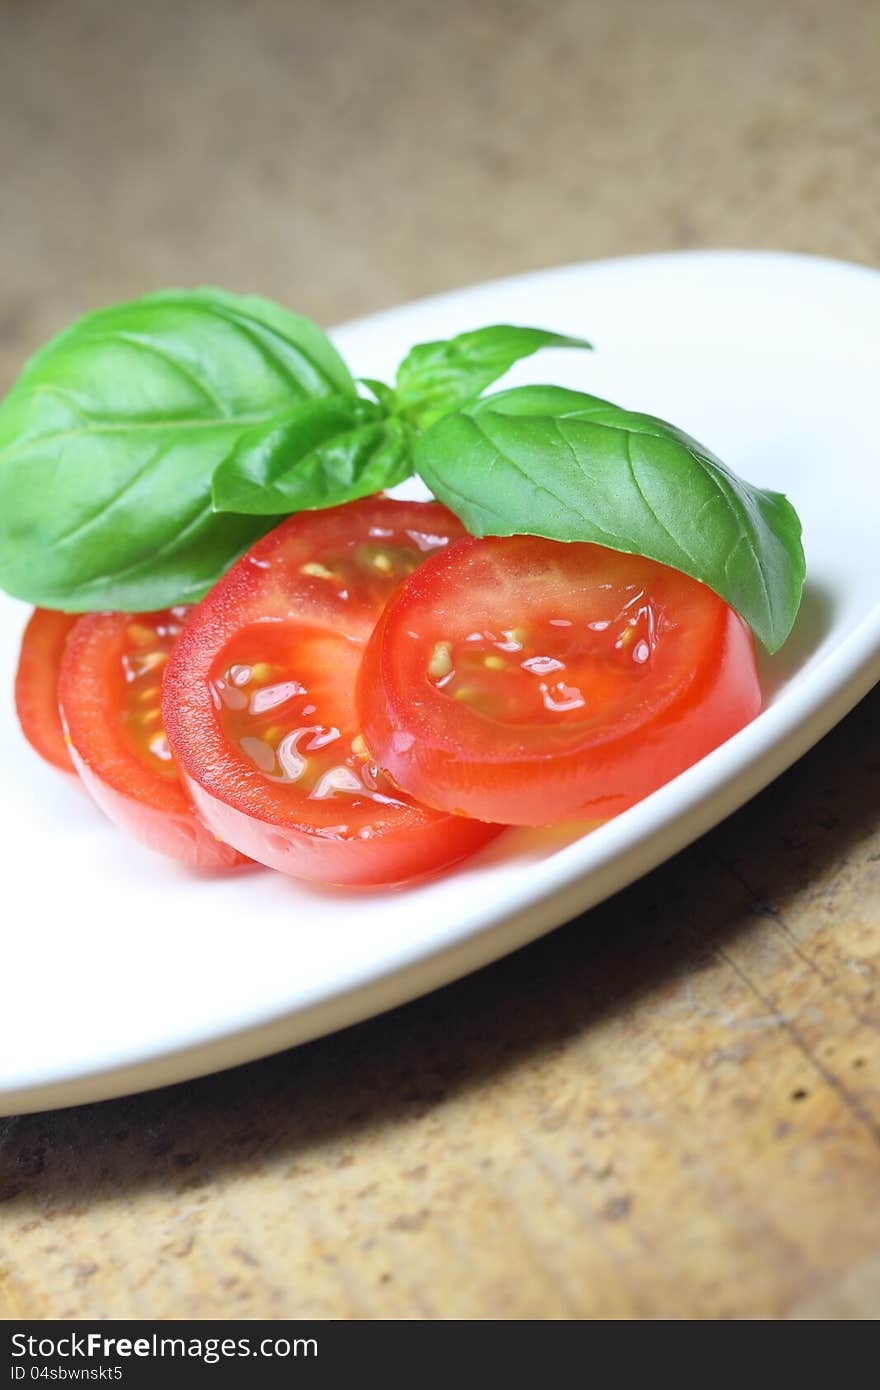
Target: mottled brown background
(672,1106)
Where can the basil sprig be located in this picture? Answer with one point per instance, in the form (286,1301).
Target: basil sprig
(142,450)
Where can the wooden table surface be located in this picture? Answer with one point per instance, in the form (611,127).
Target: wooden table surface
(670,1107)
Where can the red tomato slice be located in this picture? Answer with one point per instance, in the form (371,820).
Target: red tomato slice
(539,682)
(36,685)
(110,691)
(259,700)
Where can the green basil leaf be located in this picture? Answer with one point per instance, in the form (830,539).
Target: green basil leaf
(110,438)
(385,395)
(436,378)
(316,455)
(545,461)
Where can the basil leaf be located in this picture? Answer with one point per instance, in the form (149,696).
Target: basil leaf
(318,454)
(438,377)
(545,461)
(110,438)
(385,395)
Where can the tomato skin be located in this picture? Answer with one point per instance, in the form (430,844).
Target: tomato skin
(282,586)
(453,757)
(152,808)
(36,685)
(362,863)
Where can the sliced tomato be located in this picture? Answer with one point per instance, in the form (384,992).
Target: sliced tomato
(539,682)
(36,684)
(259,700)
(110,691)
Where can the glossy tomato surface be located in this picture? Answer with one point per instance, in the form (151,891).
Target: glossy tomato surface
(535,681)
(110,691)
(36,685)
(259,700)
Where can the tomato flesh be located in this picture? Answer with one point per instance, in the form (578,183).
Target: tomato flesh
(541,682)
(36,685)
(259,700)
(268,708)
(110,691)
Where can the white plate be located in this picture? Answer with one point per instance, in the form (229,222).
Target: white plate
(123,972)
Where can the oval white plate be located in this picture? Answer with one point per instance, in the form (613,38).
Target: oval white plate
(124,972)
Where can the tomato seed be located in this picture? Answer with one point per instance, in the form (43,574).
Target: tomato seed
(440,663)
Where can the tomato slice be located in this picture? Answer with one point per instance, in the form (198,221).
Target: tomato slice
(538,681)
(36,684)
(110,690)
(259,700)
